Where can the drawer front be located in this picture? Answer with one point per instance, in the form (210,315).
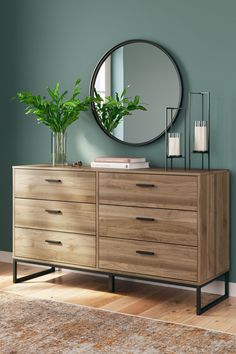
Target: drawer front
(161,225)
(55,247)
(154,191)
(53,215)
(55,185)
(148,258)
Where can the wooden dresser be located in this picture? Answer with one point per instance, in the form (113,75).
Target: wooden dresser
(170,226)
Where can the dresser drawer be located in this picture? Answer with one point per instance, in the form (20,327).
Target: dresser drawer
(54,215)
(148,258)
(161,225)
(55,185)
(154,191)
(55,247)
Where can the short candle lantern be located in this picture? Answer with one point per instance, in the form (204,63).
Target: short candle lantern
(175,143)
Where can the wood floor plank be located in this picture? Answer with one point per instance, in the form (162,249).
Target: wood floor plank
(232,329)
(131,297)
(141,304)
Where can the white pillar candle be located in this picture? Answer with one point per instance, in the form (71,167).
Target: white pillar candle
(174,144)
(200,136)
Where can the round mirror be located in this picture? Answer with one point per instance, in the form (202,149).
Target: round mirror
(134,82)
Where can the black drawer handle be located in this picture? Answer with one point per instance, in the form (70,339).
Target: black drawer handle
(147,253)
(142,218)
(51,211)
(59,243)
(145,185)
(53,180)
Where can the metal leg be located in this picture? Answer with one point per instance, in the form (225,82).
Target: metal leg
(14,271)
(200,309)
(111,283)
(227,284)
(199,301)
(31,276)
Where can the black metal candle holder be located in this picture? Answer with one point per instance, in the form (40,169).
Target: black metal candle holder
(169,128)
(205,117)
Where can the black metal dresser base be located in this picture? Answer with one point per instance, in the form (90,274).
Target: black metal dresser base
(111,282)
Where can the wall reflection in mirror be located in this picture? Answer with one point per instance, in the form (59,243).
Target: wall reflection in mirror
(147,71)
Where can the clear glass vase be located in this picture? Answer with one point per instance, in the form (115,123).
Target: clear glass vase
(58,148)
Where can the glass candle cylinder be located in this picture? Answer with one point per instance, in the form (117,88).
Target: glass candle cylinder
(174,144)
(200,136)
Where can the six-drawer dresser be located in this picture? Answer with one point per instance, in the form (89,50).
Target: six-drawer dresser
(170,226)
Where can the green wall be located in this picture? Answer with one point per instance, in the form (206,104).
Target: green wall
(54,40)
(7,117)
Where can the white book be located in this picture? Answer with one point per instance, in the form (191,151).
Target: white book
(128,166)
(119,159)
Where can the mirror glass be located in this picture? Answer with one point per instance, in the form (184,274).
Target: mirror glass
(146,70)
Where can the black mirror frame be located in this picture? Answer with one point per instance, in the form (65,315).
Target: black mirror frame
(94,76)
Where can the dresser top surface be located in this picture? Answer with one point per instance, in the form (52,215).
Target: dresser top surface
(158,171)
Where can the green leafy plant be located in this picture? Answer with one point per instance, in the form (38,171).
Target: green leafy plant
(56,112)
(112,110)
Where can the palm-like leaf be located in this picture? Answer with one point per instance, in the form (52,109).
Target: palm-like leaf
(112,110)
(56,112)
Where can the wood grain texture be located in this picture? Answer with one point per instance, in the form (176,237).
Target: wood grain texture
(213,221)
(155,171)
(190,212)
(43,184)
(171,192)
(161,225)
(96,218)
(222,222)
(74,249)
(74,217)
(206,228)
(179,262)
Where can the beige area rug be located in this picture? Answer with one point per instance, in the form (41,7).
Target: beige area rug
(31,326)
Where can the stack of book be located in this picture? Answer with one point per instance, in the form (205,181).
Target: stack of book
(120,162)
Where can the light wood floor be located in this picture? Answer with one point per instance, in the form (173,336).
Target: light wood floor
(159,302)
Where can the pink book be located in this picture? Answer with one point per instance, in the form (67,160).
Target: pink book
(120,159)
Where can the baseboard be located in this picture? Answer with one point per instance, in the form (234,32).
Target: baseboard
(216,288)
(5,257)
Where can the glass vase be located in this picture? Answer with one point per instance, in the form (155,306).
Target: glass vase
(58,148)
